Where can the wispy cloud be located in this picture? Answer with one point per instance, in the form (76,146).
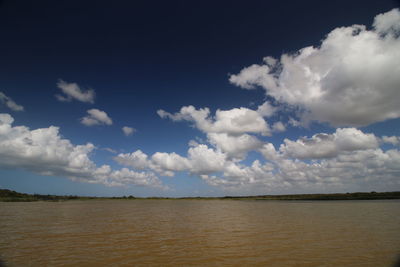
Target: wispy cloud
(128,130)
(394,140)
(10,103)
(73,91)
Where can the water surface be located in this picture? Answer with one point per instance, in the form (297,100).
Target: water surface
(200,233)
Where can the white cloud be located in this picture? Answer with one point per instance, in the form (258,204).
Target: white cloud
(293,122)
(234,146)
(239,121)
(329,145)
(347,158)
(266,109)
(108,149)
(205,160)
(137,160)
(234,121)
(350,80)
(10,103)
(169,162)
(388,22)
(73,91)
(351,170)
(228,129)
(45,152)
(128,130)
(200,160)
(96,117)
(193,143)
(278,127)
(394,140)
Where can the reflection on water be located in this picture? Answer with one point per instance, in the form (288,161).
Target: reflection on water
(200,232)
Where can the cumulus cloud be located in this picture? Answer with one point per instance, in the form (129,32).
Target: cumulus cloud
(228,130)
(45,152)
(363,168)
(234,121)
(169,162)
(351,79)
(96,117)
(137,160)
(200,160)
(388,22)
(347,157)
(206,160)
(73,91)
(329,145)
(355,169)
(234,146)
(128,130)
(10,103)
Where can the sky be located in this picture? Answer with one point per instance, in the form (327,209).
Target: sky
(199,98)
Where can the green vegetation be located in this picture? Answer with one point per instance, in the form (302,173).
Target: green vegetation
(9,195)
(12,196)
(336,196)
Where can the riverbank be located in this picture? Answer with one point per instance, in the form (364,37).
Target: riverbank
(13,196)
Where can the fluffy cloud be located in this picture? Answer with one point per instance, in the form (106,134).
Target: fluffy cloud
(228,129)
(45,152)
(205,160)
(169,162)
(10,103)
(234,146)
(234,121)
(351,79)
(388,22)
(96,117)
(329,145)
(343,159)
(350,170)
(128,130)
(137,160)
(200,160)
(73,91)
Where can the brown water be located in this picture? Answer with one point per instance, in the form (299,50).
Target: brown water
(200,233)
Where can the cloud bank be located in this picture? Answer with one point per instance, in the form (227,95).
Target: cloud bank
(44,151)
(347,157)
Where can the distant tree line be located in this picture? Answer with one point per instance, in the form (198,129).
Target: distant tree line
(9,195)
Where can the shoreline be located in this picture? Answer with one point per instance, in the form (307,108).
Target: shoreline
(13,196)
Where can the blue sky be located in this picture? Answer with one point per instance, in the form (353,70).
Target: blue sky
(185,98)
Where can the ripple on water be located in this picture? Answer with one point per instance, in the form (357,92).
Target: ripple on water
(202,233)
